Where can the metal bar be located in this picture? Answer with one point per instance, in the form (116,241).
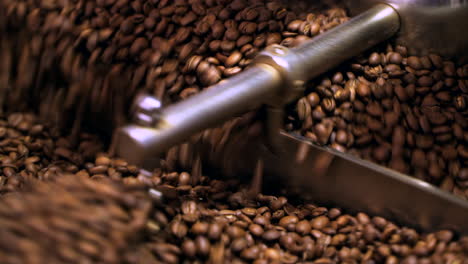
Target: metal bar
(343,42)
(236,95)
(256,85)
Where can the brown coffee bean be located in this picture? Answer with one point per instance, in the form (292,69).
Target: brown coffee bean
(374,109)
(320,222)
(313,99)
(460,103)
(294,25)
(273,38)
(449,69)
(247,28)
(363,90)
(288,220)
(323,131)
(227,45)
(341,137)
(425,81)
(381,153)
(401,93)
(261,220)
(239,244)
(328,104)
(203,245)
(303,109)
(217,30)
(444,235)
(235,232)
(256,229)
(200,228)
(243,40)
(189,248)
(228,72)
(250,253)
(214,231)
(394,58)
(271,235)
(209,76)
(303,227)
(374,59)
(414,62)
(249,211)
(260,40)
(127,26)
(391,119)
(188,18)
(393,68)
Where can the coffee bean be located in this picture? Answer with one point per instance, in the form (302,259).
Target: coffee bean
(414,62)
(313,99)
(235,232)
(239,244)
(303,109)
(303,227)
(395,58)
(294,25)
(271,235)
(200,228)
(374,109)
(273,38)
(243,40)
(202,245)
(374,59)
(256,229)
(225,36)
(323,131)
(228,72)
(189,248)
(250,253)
(319,222)
(363,90)
(328,104)
(214,231)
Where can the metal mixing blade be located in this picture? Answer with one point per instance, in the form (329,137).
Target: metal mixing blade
(277,77)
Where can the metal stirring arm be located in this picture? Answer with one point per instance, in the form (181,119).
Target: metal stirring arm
(328,177)
(276,78)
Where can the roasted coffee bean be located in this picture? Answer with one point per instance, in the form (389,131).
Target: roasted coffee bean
(233,59)
(401,113)
(233,231)
(303,227)
(303,109)
(203,245)
(319,222)
(313,99)
(414,62)
(271,235)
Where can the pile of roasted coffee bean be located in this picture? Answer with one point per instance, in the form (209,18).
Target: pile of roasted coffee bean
(92,57)
(66,202)
(75,59)
(72,60)
(72,219)
(220,222)
(405,112)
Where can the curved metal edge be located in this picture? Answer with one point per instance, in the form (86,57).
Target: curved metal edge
(332,178)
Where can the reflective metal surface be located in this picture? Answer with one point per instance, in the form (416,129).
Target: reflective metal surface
(319,174)
(328,177)
(140,144)
(427,26)
(257,85)
(332,48)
